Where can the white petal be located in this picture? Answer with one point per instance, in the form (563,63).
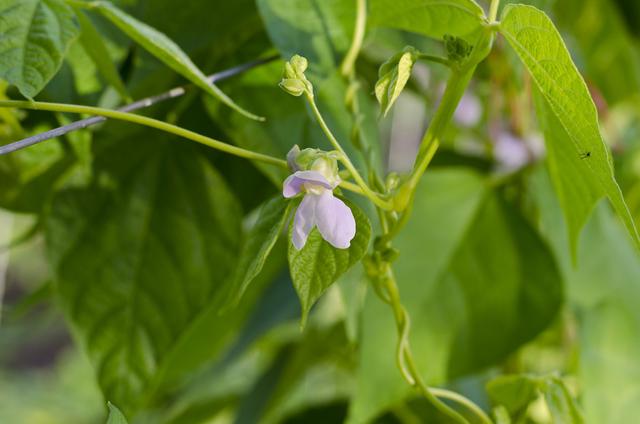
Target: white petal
(335,220)
(304,221)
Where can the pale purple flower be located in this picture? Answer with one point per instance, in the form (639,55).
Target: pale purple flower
(510,152)
(291,158)
(469,111)
(319,208)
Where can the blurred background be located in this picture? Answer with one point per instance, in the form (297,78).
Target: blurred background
(44,376)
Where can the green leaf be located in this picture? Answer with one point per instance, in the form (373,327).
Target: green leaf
(96,49)
(578,188)
(501,415)
(514,392)
(603,289)
(517,392)
(610,55)
(140,258)
(258,244)
(476,279)
(163,48)
(393,77)
(34,38)
(319,31)
(561,404)
(434,18)
(115,416)
(318,264)
(540,47)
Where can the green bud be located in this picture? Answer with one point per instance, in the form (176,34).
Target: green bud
(299,64)
(294,81)
(289,72)
(389,255)
(457,48)
(327,165)
(295,87)
(305,158)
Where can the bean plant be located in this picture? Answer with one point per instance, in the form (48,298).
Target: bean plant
(177,236)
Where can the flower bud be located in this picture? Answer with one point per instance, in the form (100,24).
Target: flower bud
(327,165)
(299,64)
(294,81)
(295,87)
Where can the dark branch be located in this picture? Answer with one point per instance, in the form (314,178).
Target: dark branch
(140,104)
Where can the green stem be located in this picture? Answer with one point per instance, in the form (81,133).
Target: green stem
(358,36)
(456,87)
(81,4)
(436,59)
(404,357)
(373,196)
(455,397)
(493,10)
(149,122)
(163,126)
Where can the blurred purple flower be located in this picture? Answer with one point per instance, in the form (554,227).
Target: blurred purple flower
(469,111)
(319,208)
(512,152)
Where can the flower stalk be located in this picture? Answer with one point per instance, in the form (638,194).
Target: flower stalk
(344,158)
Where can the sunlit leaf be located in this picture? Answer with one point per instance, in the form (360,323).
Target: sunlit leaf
(540,47)
(393,76)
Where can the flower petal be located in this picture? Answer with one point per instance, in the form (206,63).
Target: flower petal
(334,220)
(291,158)
(293,184)
(304,220)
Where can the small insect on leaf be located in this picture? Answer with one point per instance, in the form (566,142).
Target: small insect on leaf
(585,155)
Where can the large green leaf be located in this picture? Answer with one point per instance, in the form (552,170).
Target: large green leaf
(476,279)
(540,47)
(140,257)
(319,31)
(34,38)
(603,289)
(578,188)
(318,265)
(258,244)
(96,49)
(196,29)
(162,47)
(434,18)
